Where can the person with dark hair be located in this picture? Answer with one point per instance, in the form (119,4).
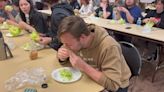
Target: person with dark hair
(90,49)
(156,16)
(31,20)
(86,7)
(130,12)
(105,10)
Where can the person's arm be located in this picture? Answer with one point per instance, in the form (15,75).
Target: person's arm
(11,22)
(45,40)
(8,21)
(106,13)
(111,67)
(90,9)
(26,26)
(129,16)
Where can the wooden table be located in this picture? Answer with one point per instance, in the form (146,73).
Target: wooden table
(48,61)
(156,34)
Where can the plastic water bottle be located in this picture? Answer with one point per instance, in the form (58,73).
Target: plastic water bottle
(114,13)
(139,21)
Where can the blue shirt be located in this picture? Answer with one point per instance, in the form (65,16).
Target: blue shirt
(135,11)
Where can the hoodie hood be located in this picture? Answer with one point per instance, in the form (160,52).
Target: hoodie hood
(99,35)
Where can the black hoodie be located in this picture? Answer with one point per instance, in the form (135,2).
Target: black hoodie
(153,13)
(59,12)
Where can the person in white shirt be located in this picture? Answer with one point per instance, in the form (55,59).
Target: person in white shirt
(86,8)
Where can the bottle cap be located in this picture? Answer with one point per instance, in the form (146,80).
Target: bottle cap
(44,85)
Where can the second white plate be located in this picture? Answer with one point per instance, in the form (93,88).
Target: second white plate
(76,75)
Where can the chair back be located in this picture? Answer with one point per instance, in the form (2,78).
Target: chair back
(132,57)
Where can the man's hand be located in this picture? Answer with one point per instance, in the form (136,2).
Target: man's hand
(63,53)
(76,61)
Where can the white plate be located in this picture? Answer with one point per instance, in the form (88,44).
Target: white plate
(76,75)
(36,46)
(10,35)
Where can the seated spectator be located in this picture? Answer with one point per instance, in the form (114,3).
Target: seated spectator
(156,16)
(130,12)
(30,19)
(86,7)
(104,11)
(60,10)
(95,3)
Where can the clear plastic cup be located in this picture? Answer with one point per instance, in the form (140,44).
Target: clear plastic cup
(10,43)
(147,29)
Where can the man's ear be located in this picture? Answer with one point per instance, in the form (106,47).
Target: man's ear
(83,36)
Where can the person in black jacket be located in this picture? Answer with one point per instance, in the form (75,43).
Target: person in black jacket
(59,12)
(156,16)
(105,10)
(30,18)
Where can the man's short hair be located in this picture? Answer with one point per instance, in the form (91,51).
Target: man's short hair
(73,25)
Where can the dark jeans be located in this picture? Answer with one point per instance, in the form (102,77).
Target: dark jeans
(119,90)
(122,89)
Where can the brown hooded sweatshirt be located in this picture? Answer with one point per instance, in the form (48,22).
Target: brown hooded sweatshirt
(105,54)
